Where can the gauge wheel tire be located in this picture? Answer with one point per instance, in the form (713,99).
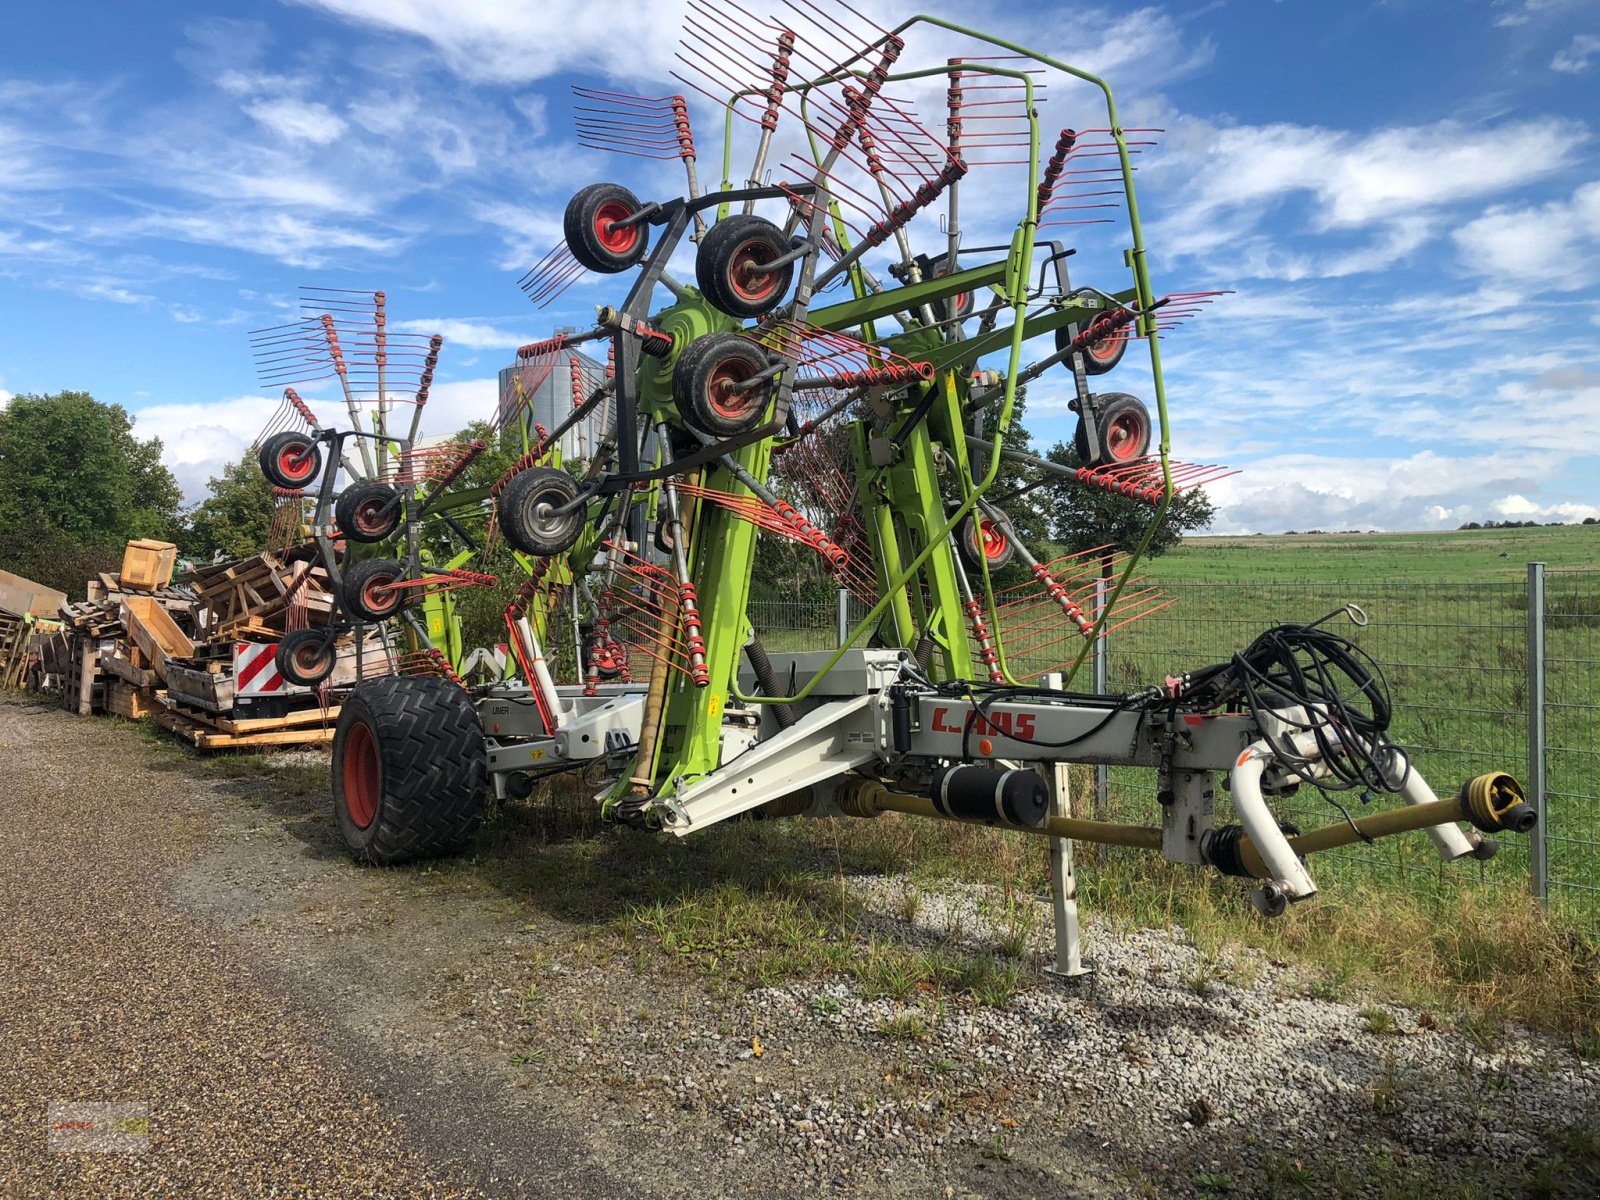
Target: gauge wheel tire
(368,512)
(291,460)
(526,516)
(724,266)
(709,377)
(305,657)
(409,768)
(1124,431)
(1100,355)
(592,233)
(981,539)
(368,589)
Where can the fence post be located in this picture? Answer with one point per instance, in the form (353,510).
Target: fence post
(844,616)
(1101,665)
(1538,848)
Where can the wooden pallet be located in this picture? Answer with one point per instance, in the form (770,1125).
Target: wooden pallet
(133,703)
(248,598)
(205,731)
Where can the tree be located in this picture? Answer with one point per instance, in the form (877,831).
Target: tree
(75,485)
(73,464)
(1082,518)
(235,517)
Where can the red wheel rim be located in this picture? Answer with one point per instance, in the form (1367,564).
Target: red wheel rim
(747,283)
(294,462)
(1107,346)
(363,775)
(617,239)
(720,394)
(1124,436)
(309,658)
(992,538)
(378,594)
(371,517)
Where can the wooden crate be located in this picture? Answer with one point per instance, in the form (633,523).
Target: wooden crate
(128,701)
(155,632)
(147,565)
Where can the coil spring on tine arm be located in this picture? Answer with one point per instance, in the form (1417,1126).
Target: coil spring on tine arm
(1052,170)
(1059,594)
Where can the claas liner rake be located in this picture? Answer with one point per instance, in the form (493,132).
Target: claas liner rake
(841,374)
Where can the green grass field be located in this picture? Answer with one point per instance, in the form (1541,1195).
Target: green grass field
(1467,556)
(1449,629)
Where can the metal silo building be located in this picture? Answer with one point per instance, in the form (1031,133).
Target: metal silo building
(538,394)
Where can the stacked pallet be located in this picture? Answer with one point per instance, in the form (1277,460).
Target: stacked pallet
(253,597)
(15,631)
(93,627)
(198,657)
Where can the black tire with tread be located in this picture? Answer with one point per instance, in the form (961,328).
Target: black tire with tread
(358,577)
(1112,406)
(697,376)
(290,442)
(969,544)
(715,265)
(517,512)
(1110,357)
(433,769)
(294,657)
(355,505)
(581,225)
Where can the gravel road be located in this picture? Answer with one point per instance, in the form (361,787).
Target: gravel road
(190,938)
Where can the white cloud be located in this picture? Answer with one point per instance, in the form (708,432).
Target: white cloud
(185,314)
(1233,178)
(1311,491)
(198,440)
(103,289)
(457,403)
(1554,245)
(298,120)
(467,334)
(1522,509)
(1574,58)
(6,397)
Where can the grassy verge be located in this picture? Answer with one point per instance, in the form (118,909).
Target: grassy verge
(763,903)
(754,903)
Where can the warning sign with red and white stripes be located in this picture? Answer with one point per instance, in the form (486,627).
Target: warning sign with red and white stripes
(255,671)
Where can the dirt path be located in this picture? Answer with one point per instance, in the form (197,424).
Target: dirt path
(188,935)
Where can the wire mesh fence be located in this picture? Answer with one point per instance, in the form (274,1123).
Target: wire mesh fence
(1456,659)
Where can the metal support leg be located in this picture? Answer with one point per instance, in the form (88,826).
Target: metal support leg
(1069,962)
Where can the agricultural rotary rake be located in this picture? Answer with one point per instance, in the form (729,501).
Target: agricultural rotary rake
(842,375)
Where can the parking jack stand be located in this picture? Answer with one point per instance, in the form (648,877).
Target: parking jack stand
(1069,962)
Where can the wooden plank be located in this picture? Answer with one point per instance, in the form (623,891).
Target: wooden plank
(126,671)
(188,731)
(200,689)
(303,716)
(311,736)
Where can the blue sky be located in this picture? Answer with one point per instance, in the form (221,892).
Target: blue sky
(1404,197)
